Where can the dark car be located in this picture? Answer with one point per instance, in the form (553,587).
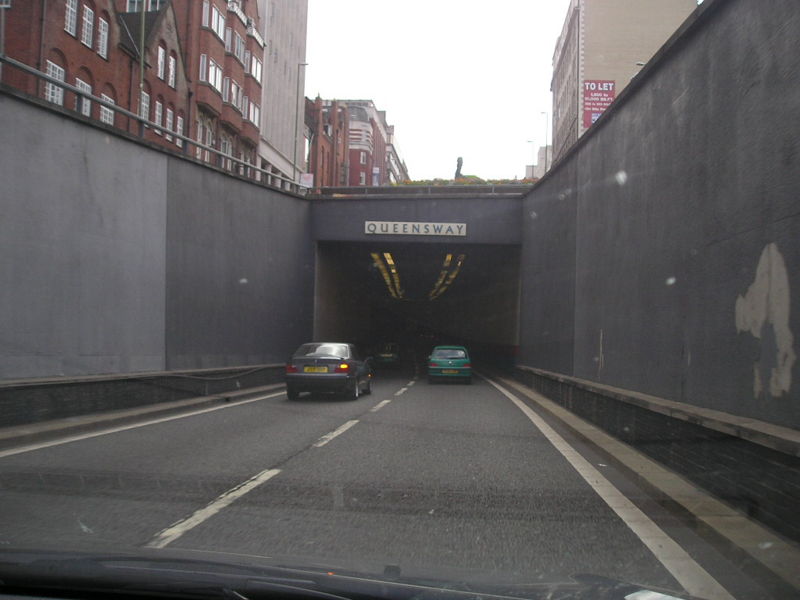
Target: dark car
(388,355)
(330,367)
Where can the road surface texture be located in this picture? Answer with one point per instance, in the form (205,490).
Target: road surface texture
(448,480)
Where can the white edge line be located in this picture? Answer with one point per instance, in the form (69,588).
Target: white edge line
(335,433)
(695,580)
(379,405)
(86,436)
(177,529)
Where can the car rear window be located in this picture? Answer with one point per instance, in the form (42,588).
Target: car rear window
(337,350)
(449,353)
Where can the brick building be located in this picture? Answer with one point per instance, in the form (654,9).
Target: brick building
(203,62)
(328,124)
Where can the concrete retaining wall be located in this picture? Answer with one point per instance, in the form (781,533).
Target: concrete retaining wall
(661,255)
(116,257)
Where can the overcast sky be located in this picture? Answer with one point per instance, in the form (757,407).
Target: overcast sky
(465,78)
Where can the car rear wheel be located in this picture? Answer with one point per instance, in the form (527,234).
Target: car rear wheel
(368,389)
(355,392)
(291,393)
(431,380)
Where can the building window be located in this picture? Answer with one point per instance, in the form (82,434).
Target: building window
(239,48)
(363,158)
(226,84)
(255,68)
(144,105)
(255,113)
(169,122)
(228,36)
(203,67)
(206,10)
(218,22)
(236,95)
(71,17)
(245,107)
(53,92)
(179,131)
(107,114)
(158,114)
(162,61)
(102,38)
(82,103)
(215,75)
(87,30)
(171,67)
(362,178)
(136,5)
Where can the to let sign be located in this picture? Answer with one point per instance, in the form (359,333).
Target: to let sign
(598,94)
(411,228)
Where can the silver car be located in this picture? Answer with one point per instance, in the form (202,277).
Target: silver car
(332,367)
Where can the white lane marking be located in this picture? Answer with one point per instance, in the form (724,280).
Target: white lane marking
(336,432)
(412,382)
(401,391)
(177,529)
(379,405)
(695,580)
(86,436)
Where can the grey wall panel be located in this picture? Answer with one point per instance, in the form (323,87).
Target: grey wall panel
(82,240)
(240,271)
(687,274)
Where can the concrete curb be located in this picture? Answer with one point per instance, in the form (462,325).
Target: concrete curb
(37,432)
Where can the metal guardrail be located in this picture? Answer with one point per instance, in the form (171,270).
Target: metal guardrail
(222,161)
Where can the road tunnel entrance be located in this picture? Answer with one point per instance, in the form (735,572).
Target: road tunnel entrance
(419,295)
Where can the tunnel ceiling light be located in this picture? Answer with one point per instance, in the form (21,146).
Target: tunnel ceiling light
(392,280)
(447,275)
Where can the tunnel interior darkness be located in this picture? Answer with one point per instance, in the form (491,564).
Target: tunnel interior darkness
(418,294)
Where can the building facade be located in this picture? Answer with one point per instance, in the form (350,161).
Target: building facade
(191,67)
(602,46)
(281,147)
(327,122)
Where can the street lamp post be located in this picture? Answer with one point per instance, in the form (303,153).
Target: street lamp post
(296,120)
(545,141)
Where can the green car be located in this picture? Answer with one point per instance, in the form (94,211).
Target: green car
(449,362)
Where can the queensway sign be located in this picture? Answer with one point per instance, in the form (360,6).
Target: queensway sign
(411,228)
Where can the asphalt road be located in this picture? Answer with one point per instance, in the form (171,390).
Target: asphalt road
(438,480)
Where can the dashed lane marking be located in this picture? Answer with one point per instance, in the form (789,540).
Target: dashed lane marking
(401,391)
(177,529)
(335,433)
(695,580)
(379,405)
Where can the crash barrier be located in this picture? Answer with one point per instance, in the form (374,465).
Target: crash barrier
(751,465)
(23,402)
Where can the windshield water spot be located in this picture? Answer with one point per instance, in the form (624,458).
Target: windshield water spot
(621,178)
(671,280)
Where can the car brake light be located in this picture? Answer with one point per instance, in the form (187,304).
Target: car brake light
(291,369)
(468,365)
(342,368)
(433,364)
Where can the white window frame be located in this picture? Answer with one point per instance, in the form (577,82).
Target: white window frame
(102,37)
(362,178)
(239,47)
(83,104)
(362,158)
(218,22)
(53,92)
(203,67)
(144,106)
(168,123)
(206,13)
(226,85)
(171,69)
(228,39)
(87,27)
(179,131)
(106,114)
(215,75)
(256,67)
(158,115)
(71,17)
(162,62)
